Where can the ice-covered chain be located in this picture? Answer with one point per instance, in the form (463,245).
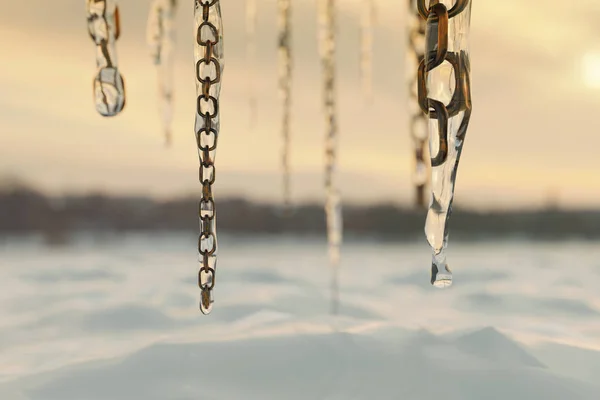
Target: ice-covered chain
(104,29)
(208,54)
(161,39)
(333,207)
(285,87)
(445,95)
(418,120)
(251,22)
(367,21)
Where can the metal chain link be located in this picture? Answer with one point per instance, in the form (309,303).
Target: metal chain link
(333,208)
(446,55)
(160,32)
(285,88)
(418,120)
(104,29)
(209,67)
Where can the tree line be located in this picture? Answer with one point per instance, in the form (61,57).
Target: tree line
(25,210)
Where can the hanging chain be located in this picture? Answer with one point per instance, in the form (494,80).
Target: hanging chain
(251,22)
(418,120)
(104,29)
(161,40)
(367,15)
(209,67)
(333,208)
(449,104)
(285,87)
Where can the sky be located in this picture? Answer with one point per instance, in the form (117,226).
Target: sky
(532,138)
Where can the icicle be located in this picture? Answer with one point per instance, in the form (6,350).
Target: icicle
(418,119)
(367,21)
(208,54)
(251,22)
(285,87)
(449,107)
(161,40)
(333,207)
(104,29)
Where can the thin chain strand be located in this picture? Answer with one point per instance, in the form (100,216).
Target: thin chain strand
(208,54)
(333,209)
(160,34)
(449,111)
(251,22)
(285,87)
(104,29)
(418,120)
(367,16)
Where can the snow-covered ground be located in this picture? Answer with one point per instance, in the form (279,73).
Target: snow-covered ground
(116,318)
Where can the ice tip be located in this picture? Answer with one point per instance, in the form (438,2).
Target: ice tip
(206,302)
(441,280)
(168,139)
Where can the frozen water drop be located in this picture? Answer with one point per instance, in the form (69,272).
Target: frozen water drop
(441,275)
(109,92)
(206,301)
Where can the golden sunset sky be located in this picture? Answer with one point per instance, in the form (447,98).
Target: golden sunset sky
(535,128)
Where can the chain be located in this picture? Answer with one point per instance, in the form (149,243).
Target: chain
(333,209)
(366,47)
(104,29)
(209,67)
(161,40)
(285,87)
(251,22)
(418,120)
(446,56)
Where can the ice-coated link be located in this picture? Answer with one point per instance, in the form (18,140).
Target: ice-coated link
(444,94)
(161,38)
(208,54)
(104,29)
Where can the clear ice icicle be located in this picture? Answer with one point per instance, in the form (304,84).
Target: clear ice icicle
(104,29)
(285,87)
(367,21)
(333,207)
(251,22)
(160,34)
(208,55)
(444,93)
(418,120)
